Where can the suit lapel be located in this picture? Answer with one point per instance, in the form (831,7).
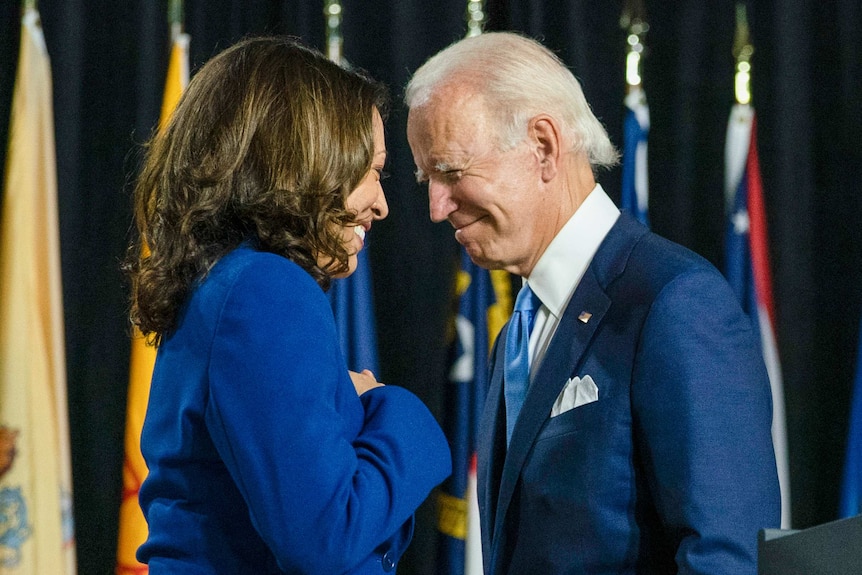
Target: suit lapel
(562,360)
(491,445)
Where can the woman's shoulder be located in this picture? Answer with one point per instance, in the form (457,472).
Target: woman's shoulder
(262,278)
(245,263)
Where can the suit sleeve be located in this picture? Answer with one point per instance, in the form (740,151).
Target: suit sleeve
(327,476)
(702,415)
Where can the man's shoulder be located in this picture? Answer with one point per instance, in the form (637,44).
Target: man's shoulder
(647,262)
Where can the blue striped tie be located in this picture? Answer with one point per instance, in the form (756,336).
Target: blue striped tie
(517,369)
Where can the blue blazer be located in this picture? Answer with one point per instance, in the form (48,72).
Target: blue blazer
(262,458)
(672,470)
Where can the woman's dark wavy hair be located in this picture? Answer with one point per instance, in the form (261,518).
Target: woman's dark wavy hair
(265,144)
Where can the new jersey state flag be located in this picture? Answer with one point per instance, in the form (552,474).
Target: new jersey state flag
(484,306)
(36,527)
(749,271)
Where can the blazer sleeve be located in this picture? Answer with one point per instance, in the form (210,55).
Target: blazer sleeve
(327,478)
(702,414)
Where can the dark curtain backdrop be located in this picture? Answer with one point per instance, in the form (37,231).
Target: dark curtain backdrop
(109,60)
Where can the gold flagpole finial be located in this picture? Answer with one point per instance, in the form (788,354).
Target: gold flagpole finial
(334,43)
(742,50)
(633,21)
(475,17)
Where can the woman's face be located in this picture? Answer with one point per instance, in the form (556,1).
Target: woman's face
(367,200)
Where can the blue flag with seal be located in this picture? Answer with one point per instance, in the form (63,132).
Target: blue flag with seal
(635,191)
(851,488)
(352,301)
(484,305)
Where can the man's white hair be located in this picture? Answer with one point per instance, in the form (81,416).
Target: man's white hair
(519,79)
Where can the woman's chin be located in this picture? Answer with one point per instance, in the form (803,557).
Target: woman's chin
(352,262)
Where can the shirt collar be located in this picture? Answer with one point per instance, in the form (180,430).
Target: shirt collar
(560,269)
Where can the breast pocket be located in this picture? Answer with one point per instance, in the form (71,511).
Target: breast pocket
(577,451)
(584,418)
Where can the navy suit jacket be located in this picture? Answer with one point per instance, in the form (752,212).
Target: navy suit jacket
(672,470)
(262,458)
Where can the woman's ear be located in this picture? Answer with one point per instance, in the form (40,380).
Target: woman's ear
(547,144)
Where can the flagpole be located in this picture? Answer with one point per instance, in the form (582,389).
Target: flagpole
(176,16)
(633,20)
(742,50)
(475,17)
(29,5)
(741,114)
(334,41)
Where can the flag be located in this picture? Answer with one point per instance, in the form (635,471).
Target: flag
(749,272)
(352,304)
(133,526)
(635,192)
(36,527)
(484,305)
(851,488)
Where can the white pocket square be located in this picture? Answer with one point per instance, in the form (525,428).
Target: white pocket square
(578,391)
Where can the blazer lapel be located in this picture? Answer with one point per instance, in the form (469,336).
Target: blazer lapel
(562,360)
(491,447)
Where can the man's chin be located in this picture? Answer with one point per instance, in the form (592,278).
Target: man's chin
(480,258)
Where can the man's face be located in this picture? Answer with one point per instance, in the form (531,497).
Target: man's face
(494,199)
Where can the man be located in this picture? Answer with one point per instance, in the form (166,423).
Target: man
(643,443)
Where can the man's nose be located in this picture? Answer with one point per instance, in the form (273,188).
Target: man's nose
(440,201)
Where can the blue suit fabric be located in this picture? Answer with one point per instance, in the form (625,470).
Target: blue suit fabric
(262,458)
(672,470)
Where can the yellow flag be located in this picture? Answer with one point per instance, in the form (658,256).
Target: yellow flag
(133,527)
(36,528)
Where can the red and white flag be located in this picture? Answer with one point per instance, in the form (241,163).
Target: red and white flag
(749,271)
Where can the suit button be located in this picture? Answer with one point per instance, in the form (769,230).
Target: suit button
(388,561)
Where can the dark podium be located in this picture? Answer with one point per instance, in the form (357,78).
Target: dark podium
(830,549)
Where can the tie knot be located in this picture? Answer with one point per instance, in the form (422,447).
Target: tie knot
(526,300)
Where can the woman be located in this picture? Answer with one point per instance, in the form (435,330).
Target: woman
(265,454)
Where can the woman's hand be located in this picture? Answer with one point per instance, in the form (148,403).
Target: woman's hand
(364,381)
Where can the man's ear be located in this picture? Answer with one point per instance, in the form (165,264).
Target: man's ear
(547,141)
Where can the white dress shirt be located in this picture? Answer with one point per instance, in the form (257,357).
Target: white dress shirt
(560,269)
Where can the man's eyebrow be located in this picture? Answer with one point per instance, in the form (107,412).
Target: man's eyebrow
(439,167)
